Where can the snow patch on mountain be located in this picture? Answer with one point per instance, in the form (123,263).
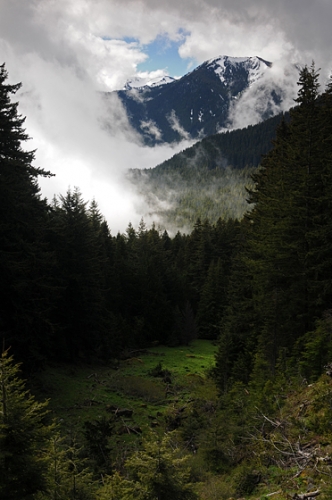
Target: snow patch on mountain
(140,82)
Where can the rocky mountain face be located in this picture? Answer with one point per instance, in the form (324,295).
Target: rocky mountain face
(200,103)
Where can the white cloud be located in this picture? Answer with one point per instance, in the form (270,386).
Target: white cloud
(248,110)
(85,140)
(176,125)
(151,128)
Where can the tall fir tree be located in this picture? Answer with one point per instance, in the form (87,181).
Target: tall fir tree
(25,261)
(281,220)
(287,242)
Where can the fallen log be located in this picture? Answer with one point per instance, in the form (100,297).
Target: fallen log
(304,496)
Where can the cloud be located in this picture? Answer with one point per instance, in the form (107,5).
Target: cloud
(297,30)
(176,125)
(258,99)
(85,139)
(150,127)
(81,136)
(90,33)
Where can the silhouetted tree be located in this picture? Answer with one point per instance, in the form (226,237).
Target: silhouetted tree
(25,261)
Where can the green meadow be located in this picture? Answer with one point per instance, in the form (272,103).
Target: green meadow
(150,383)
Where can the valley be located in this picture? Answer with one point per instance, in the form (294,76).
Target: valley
(193,365)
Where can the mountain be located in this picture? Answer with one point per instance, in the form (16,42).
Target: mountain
(236,148)
(199,103)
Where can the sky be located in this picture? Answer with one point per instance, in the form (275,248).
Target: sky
(67,52)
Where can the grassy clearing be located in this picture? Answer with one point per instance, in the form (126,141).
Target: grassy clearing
(91,392)
(196,358)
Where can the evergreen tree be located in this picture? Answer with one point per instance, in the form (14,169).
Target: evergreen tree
(268,254)
(24,436)
(25,261)
(189,330)
(278,300)
(157,472)
(68,478)
(212,301)
(319,257)
(78,236)
(238,326)
(199,253)
(280,223)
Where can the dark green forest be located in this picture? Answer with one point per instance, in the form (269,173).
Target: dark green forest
(178,197)
(258,285)
(238,148)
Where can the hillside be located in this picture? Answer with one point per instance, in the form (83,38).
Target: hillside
(177,198)
(236,148)
(208,180)
(254,443)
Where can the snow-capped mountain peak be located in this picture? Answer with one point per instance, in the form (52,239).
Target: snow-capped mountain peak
(224,67)
(140,82)
(202,102)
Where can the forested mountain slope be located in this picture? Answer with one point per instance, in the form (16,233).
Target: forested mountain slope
(207,180)
(235,148)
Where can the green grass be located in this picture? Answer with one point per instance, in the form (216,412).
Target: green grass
(196,358)
(88,392)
